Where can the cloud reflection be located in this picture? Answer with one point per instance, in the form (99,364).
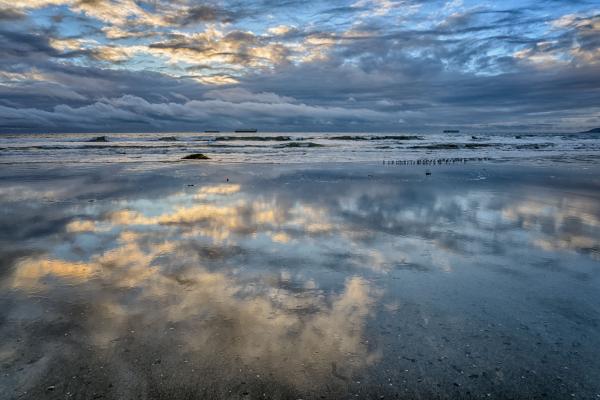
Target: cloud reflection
(268,281)
(559,224)
(293,334)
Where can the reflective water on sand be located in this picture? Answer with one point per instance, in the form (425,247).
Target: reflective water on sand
(299,281)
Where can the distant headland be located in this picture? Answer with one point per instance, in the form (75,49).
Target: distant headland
(595,130)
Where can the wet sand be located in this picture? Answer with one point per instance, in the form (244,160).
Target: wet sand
(199,280)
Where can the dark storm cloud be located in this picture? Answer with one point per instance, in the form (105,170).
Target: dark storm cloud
(24,45)
(127,112)
(345,66)
(76,86)
(34,79)
(203,13)
(10,15)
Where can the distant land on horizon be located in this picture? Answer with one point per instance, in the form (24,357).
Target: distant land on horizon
(425,131)
(594,130)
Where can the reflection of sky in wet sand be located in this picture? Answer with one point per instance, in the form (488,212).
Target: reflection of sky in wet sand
(295,281)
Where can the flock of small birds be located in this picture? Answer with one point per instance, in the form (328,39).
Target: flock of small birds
(436,161)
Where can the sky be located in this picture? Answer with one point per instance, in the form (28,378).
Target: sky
(299,65)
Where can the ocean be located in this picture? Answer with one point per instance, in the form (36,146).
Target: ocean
(297,147)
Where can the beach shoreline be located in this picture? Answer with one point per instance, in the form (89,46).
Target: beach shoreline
(298,148)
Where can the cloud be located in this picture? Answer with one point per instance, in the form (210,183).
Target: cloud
(235,49)
(281,30)
(11,14)
(203,13)
(405,64)
(240,95)
(129,112)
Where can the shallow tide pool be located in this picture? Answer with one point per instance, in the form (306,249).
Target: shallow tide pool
(299,281)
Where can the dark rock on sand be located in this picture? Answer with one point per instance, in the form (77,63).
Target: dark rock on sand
(198,156)
(168,139)
(101,139)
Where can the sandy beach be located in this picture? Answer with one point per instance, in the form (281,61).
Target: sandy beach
(341,280)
